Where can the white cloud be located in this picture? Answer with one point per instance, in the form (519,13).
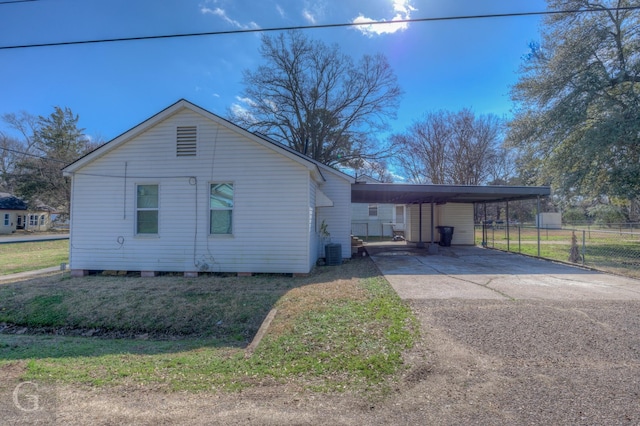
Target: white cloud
(240,112)
(306,14)
(222,14)
(281,11)
(247,101)
(215,95)
(402,9)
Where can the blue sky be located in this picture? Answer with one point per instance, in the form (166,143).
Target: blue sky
(114,86)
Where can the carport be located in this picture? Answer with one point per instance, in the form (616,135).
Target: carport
(432,195)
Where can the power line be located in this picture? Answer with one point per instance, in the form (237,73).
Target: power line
(32,155)
(16,1)
(320,26)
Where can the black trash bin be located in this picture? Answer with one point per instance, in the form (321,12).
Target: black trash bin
(446,235)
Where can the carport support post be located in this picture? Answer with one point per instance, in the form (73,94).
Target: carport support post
(420,242)
(433,248)
(485,231)
(538,223)
(508,239)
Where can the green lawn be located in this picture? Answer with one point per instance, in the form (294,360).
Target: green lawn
(613,251)
(20,257)
(342,327)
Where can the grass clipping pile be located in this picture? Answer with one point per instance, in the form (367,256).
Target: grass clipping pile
(340,328)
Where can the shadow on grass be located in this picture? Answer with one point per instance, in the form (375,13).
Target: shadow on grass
(59,317)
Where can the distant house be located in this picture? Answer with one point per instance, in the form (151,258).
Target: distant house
(376,219)
(12,213)
(189,191)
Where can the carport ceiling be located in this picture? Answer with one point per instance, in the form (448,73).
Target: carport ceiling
(394,193)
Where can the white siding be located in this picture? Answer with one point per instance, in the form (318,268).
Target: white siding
(271,217)
(338,217)
(460,216)
(376,226)
(11,227)
(412,233)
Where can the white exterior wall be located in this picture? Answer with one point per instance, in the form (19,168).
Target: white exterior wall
(460,216)
(376,226)
(271,217)
(11,227)
(337,217)
(412,233)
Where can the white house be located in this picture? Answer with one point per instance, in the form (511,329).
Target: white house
(376,219)
(187,191)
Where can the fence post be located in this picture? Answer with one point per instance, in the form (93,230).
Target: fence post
(584,246)
(493,237)
(519,246)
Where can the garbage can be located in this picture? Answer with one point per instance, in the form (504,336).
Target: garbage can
(446,235)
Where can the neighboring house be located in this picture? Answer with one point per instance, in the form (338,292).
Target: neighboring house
(12,213)
(187,191)
(376,219)
(38,218)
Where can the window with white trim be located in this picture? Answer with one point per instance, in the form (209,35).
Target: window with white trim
(221,209)
(33,220)
(373,210)
(6,219)
(42,220)
(147,209)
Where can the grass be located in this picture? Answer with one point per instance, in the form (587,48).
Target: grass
(341,328)
(617,252)
(20,257)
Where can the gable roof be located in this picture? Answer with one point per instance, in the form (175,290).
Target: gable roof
(316,168)
(11,202)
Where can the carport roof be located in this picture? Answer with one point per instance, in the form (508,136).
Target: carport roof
(394,193)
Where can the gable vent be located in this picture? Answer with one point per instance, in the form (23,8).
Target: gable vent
(186,141)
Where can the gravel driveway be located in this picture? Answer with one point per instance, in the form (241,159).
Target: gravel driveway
(515,340)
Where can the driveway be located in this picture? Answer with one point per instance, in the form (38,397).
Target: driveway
(514,340)
(476,273)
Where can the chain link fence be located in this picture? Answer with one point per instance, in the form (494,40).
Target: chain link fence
(614,250)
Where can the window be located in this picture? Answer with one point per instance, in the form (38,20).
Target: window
(186,141)
(373,210)
(221,209)
(6,219)
(147,209)
(33,220)
(42,220)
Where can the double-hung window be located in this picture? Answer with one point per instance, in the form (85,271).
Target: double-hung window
(6,219)
(373,210)
(147,209)
(221,209)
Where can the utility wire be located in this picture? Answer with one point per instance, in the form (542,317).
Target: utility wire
(320,26)
(16,1)
(32,155)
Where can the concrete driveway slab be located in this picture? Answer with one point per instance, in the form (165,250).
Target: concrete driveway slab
(477,273)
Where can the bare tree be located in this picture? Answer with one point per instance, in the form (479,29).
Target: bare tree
(318,101)
(10,155)
(450,148)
